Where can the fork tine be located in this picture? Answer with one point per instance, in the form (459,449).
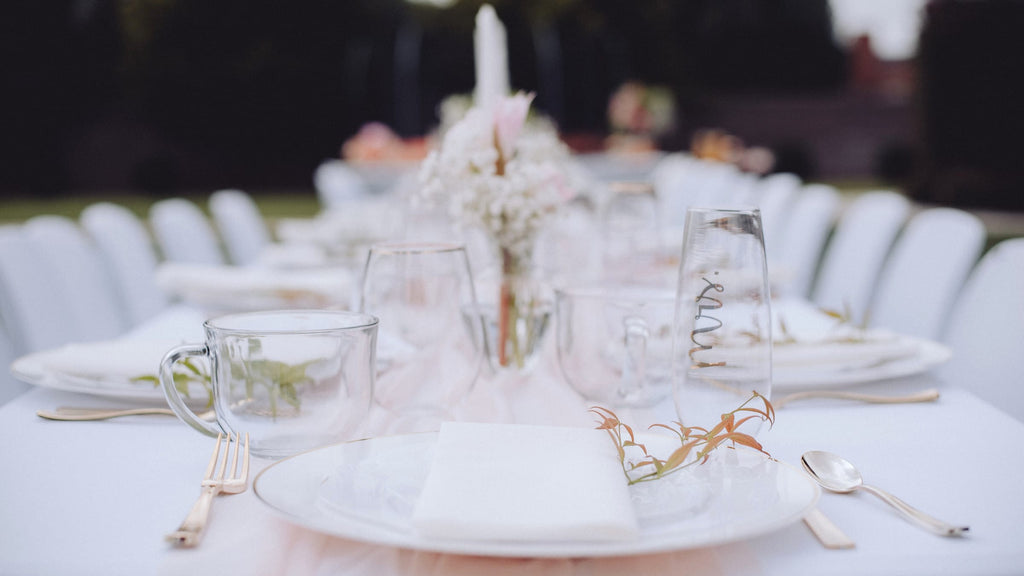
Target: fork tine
(245,459)
(213,459)
(227,453)
(234,457)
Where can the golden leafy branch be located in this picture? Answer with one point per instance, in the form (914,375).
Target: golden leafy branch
(695,443)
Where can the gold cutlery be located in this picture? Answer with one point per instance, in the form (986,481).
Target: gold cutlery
(827,532)
(221,481)
(928,395)
(69,414)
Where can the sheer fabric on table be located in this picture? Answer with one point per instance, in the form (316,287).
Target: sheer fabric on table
(241,226)
(129,255)
(986,330)
(926,270)
(183,232)
(854,257)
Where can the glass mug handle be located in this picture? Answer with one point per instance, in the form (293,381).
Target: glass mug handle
(634,365)
(174,398)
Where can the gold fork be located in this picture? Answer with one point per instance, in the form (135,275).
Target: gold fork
(928,395)
(85,414)
(220,482)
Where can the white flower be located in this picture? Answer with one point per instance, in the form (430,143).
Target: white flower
(500,173)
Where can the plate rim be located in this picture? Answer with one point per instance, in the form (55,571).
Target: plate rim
(37,375)
(660,543)
(929,355)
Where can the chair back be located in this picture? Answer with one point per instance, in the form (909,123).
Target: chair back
(241,226)
(34,315)
(82,278)
(337,183)
(183,233)
(986,330)
(774,197)
(127,249)
(926,270)
(802,243)
(859,246)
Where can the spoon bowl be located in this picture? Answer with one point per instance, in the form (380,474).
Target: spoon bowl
(835,474)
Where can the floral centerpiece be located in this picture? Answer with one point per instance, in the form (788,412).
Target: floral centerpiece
(506,177)
(639,114)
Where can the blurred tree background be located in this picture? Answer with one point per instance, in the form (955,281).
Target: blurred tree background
(163,95)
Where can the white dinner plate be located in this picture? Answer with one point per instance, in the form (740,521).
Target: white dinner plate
(367,490)
(78,368)
(915,356)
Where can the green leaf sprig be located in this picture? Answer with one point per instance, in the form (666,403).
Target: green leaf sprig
(282,380)
(192,373)
(694,441)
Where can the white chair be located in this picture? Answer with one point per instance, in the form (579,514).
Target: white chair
(337,183)
(986,330)
(9,385)
(130,256)
(926,270)
(241,225)
(83,279)
(802,242)
(34,314)
(774,196)
(681,181)
(859,246)
(183,233)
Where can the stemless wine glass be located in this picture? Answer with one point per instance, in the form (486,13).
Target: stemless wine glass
(429,347)
(631,232)
(722,350)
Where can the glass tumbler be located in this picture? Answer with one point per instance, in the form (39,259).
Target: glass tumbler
(431,346)
(722,341)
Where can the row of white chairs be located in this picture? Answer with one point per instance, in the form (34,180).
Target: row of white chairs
(879,258)
(882,261)
(65,281)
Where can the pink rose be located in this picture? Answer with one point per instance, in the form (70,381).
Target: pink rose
(509,117)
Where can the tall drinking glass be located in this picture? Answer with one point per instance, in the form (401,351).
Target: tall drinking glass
(722,339)
(429,350)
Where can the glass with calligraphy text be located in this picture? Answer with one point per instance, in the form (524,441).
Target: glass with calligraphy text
(722,352)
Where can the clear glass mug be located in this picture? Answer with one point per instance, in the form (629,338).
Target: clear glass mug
(722,341)
(293,379)
(615,344)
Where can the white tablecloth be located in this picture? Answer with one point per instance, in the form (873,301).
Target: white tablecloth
(97,497)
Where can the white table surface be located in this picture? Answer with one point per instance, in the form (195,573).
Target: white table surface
(97,497)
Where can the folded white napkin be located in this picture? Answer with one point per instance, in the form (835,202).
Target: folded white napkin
(240,288)
(519,482)
(121,359)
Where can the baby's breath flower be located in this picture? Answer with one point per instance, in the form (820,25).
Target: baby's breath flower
(510,191)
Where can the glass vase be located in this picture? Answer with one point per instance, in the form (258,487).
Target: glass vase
(516,322)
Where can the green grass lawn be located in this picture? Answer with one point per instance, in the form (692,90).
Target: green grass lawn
(276,204)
